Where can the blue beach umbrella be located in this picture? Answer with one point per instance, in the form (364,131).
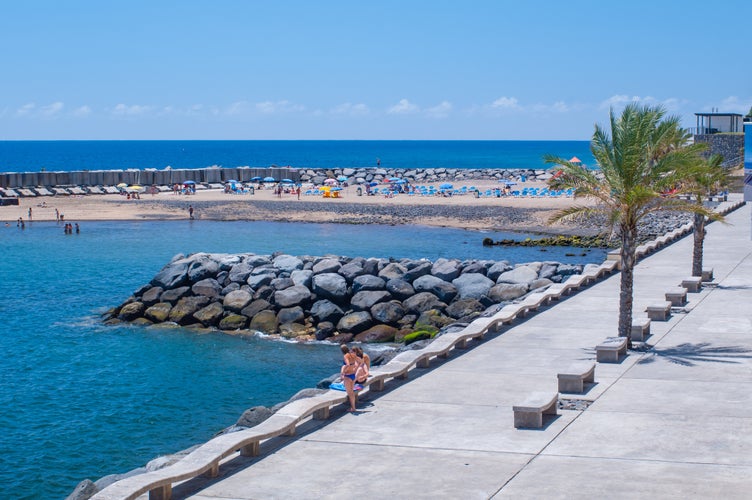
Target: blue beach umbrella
(342,178)
(232,181)
(446,185)
(255,179)
(336,189)
(287,181)
(269,179)
(189,182)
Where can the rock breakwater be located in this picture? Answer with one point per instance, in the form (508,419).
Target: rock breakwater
(330,297)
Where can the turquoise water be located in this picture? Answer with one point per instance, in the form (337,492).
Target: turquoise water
(32,156)
(81,400)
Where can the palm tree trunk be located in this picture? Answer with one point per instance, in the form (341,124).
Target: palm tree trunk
(626,291)
(699,230)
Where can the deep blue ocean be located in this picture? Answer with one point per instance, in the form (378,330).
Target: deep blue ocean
(32,156)
(81,400)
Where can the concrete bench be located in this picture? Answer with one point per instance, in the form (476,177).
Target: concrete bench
(707,274)
(530,413)
(677,296)
(660,311)
(641,328)
(692,283)
(610,349)
(573,379)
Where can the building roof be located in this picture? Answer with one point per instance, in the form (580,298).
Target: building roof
(718,114)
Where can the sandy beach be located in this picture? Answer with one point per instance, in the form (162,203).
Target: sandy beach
(465,211)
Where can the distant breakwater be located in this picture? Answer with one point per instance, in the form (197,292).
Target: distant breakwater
(332,298)
(217,175)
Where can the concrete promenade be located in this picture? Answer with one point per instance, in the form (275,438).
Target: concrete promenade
(674,421)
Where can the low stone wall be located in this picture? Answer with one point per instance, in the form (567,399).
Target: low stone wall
(730,146)
(330,297)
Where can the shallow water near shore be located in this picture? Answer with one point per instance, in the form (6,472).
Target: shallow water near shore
(81,400)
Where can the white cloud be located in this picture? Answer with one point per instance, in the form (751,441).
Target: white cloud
(505,103)
(82,111)
(132,110)
(403,107)
(51,110)
(26,109)
(350,109)
(284,106)
(734,104)
(617,102)
(441,110)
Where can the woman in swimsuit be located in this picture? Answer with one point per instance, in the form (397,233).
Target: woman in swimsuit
(361,375)
(349,368)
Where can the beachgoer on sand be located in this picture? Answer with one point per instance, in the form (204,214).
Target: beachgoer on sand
(348,370)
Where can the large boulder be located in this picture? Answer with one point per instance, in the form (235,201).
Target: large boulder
(281,283)
(210,315)
(472,285)
(254,416)
(201,266)
(182,312)
(240,272)
(367,282)
(504,292)
(463,307)
(520,274)
(131,311)
(293,296)
(351,270)
(388,312)
(290,315)
(548,270)
(265,322)
(423,301)
(172,275)
(233,322)
(302,277)
(151,296)
(256,281)
(326,265)
(393,270)
(363,301)
(293,330)
(497,269)
(400,289)
(355,322)
(172,296)
(330,286)
(445,269)
(415,272)
(159,312)
(255,307)
(236,300)
(207,287)
(287,263)
(377,333)
(325,310)
(445,291)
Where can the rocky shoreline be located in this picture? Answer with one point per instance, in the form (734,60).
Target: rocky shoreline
(333,298)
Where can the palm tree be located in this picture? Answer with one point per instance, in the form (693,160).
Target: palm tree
(703,179)
(642,157)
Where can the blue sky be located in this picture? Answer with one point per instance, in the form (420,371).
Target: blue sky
(405,69)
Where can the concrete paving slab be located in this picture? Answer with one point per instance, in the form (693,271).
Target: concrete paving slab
(573,478)
(651,436)
(345,471)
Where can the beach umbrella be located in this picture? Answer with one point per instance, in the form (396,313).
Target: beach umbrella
(342,178)
(394,179)
(287,181)
(330,182)
(446,185)
(255,179)
(269,179)
(336,189)
(325,188)
(190,183)
(575,160)
(232,181)
(122,185)
(373,183)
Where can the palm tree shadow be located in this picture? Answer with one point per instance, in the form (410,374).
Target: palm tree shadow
(689,354)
